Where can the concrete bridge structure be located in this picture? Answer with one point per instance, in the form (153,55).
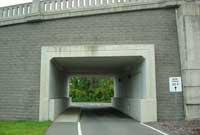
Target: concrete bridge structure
(141,43)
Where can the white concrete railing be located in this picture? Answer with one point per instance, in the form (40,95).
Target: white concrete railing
(49,6)
(56,5)
(15,10)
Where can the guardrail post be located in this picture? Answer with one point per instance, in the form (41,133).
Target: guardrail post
(36,7)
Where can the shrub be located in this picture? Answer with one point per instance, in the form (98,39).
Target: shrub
(91,89)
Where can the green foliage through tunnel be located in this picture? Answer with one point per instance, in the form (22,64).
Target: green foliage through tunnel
(91,88)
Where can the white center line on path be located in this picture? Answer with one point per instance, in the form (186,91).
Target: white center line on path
(154,129)
(79,128)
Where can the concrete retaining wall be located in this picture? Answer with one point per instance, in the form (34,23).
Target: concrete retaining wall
(20,53)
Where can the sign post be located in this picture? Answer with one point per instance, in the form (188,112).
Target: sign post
(175,86)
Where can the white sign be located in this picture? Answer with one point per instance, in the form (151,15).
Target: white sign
(175,84)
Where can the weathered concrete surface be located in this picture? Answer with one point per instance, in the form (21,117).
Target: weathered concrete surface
(188,20)
(119,60)
(20,53)
(143,110)
(58,100)
(57,106)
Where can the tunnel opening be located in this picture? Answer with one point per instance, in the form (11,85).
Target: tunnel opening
(91,89)
(132,69)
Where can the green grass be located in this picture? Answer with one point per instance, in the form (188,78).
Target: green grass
(23,127)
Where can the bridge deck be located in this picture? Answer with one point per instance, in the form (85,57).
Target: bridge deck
(53,9)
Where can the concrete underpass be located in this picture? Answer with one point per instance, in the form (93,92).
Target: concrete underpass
(141,44)
(132,68)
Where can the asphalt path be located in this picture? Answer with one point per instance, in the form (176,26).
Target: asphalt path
(108,121)
(100,121)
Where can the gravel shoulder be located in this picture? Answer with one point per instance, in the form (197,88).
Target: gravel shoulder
(191,127)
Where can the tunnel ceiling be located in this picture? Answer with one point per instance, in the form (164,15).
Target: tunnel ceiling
(97,64)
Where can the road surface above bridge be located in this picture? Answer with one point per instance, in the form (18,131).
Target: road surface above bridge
(100,121)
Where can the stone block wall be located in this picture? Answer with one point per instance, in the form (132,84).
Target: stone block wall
(20,54)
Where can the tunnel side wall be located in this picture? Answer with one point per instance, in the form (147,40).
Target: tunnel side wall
(131,84)
(58,82)
(20,53)
(57,91)
(131,94)
(142,110)
(129,91)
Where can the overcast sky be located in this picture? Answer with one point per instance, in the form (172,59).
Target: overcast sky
(12,2)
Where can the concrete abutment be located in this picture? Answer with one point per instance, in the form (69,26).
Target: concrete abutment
(188,24)
(23,35)
(133,67)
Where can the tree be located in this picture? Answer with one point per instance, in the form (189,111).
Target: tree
(91,88)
